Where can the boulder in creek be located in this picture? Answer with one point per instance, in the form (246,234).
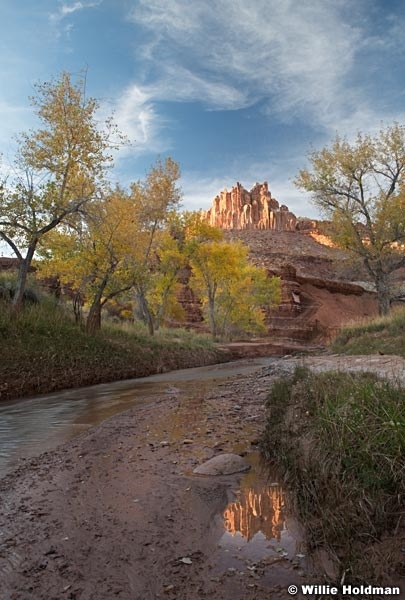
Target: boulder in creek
(223,464)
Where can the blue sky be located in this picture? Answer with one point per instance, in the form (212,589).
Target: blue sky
(234,90)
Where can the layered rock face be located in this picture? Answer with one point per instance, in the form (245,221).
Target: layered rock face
(240,209)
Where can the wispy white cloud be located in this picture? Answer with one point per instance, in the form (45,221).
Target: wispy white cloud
(66,9)
(180,83)
(296,58)
(137,117)
(138,120)
(284,52)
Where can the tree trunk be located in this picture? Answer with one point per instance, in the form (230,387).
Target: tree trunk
(161,310)
(151,328)
(23,269)
(77,303)
(383,293)
(93,322)
(144,310)
(159,317)
(211,316)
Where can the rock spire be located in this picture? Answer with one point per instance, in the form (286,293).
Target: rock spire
(240,209)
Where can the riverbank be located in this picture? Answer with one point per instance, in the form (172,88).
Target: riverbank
(43,351)
(338,439)
(381,335)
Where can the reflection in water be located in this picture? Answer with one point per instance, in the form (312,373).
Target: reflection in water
(256,510)
(255,524)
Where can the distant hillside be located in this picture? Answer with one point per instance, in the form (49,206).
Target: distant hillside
(322,288)
(274,249)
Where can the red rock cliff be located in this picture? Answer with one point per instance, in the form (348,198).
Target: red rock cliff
(240,209)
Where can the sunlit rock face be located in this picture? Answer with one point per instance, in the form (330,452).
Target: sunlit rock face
(240,209)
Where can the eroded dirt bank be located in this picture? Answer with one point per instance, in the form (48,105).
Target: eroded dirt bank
(24,376)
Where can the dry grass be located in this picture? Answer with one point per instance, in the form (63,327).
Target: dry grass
(381,334)
(339,439)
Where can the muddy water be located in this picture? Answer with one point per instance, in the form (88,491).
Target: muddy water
(29,427)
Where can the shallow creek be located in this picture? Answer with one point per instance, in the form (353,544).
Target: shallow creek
(252,530)
(31,426)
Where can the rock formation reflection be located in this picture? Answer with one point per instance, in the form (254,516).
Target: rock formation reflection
(256,510)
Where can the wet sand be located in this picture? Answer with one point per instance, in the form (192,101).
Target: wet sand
(113,513)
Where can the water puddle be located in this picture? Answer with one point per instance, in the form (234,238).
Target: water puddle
(260,542)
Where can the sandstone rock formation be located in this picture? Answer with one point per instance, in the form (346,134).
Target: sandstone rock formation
(8,264)
(240,209)
(314,308)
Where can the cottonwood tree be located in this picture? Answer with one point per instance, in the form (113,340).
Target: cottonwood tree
(360,186)
(154,198)
(232,291)
(59,168)
(122,246)
(96,260)
(194,230)
(161,295)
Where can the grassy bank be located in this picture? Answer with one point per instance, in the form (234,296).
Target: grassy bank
(383,334)
(44,350)
(339,440)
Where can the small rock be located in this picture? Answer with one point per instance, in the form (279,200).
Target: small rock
(188,441)
(224,464)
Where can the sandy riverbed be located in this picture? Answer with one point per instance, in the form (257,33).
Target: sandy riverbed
(111,514)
